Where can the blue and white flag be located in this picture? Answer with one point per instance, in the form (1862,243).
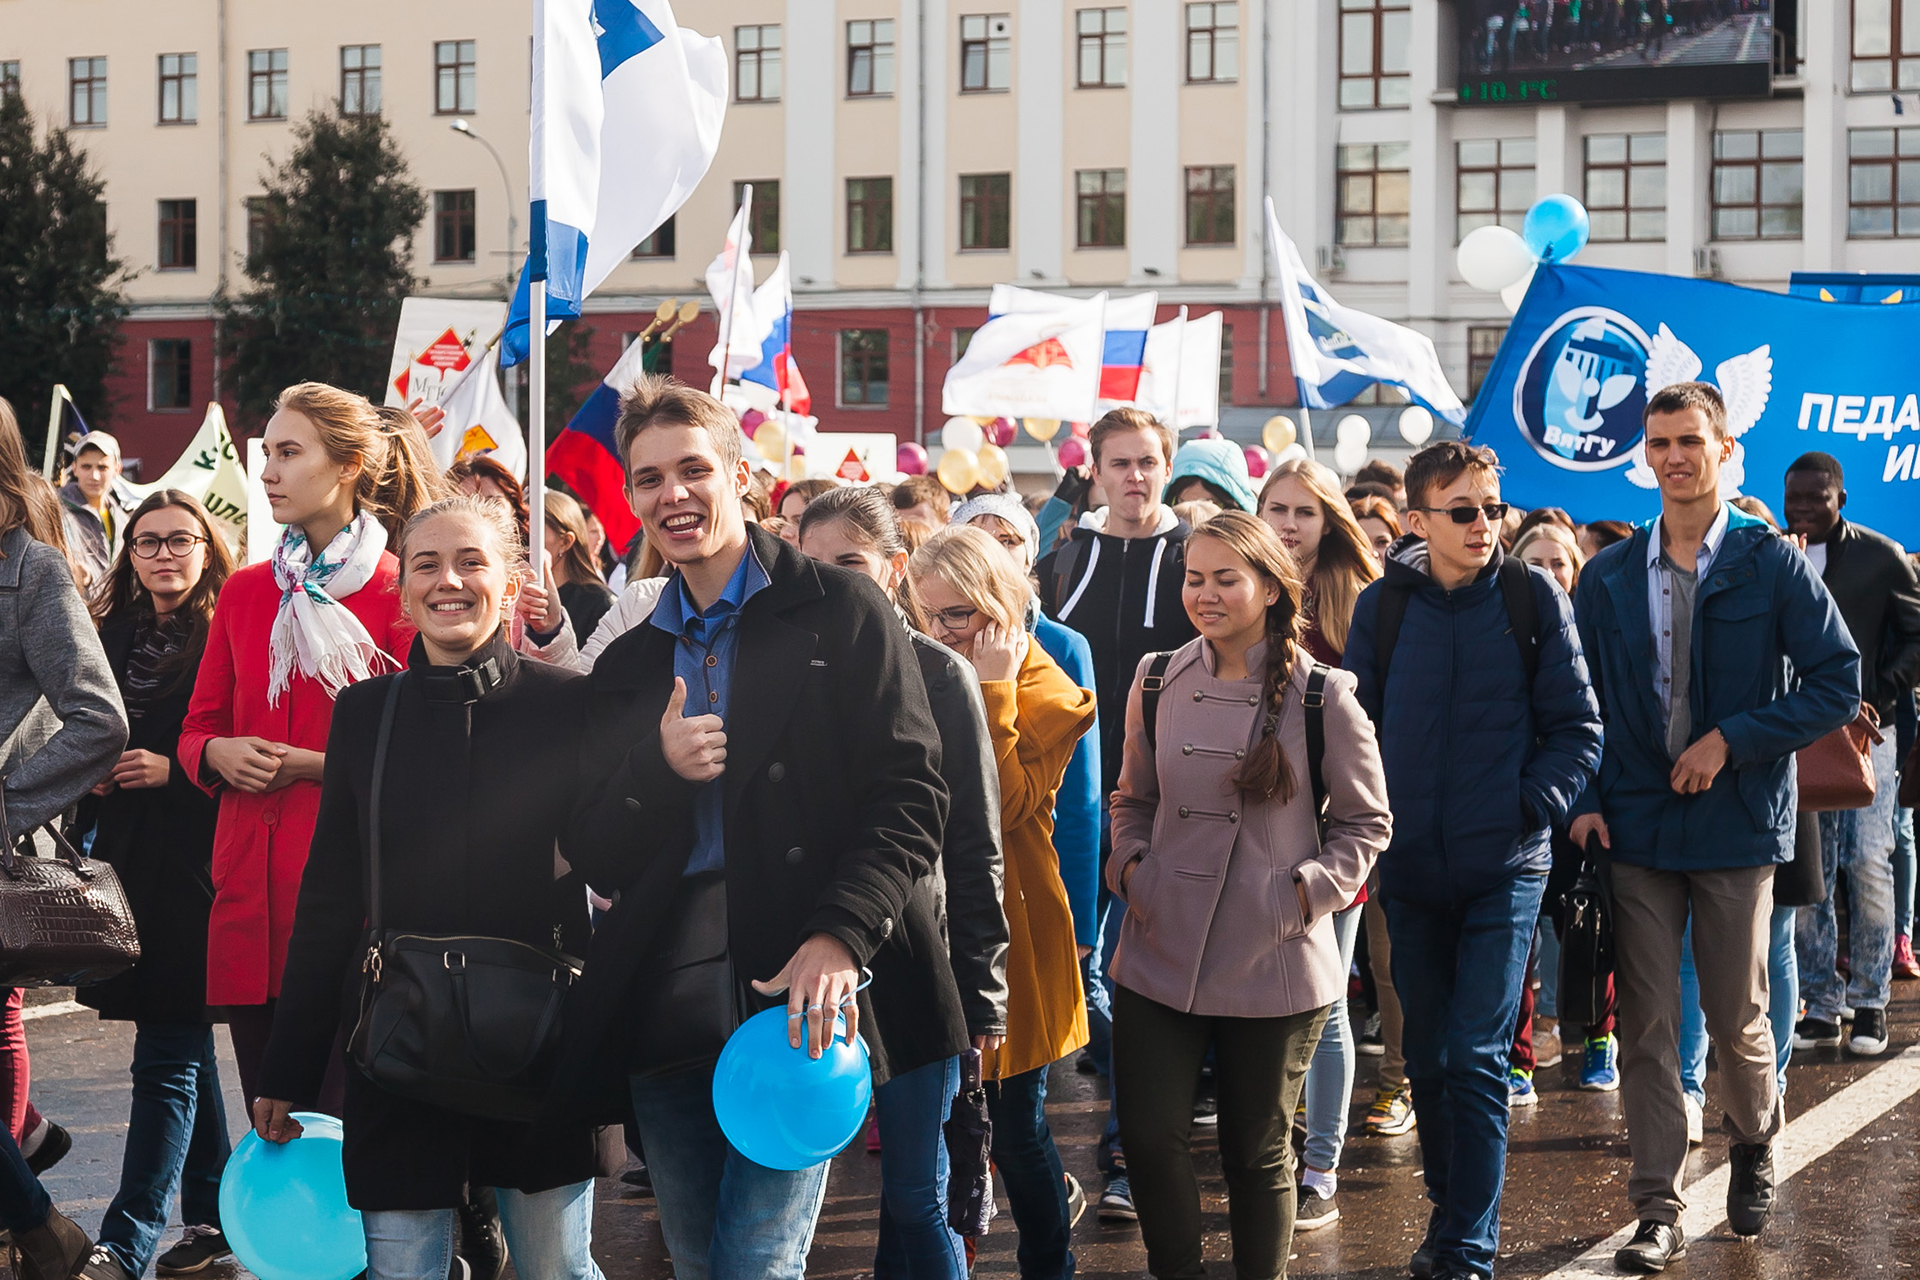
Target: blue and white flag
(627,108)
(1563,404)
(1338,352)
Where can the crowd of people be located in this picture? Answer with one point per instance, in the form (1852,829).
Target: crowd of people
(1153,772)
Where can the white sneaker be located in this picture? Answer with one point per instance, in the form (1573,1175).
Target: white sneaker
(1696,1122)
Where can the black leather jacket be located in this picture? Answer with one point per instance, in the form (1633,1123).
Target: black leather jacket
(1874,584)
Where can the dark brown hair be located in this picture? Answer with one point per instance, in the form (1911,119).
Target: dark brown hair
(1606,532)
(915,490)
(1380,471)
(1120,420)
(479,466)
(1681,396)
(1373,508)
(1439,465)
(411,481)
(26,499)
(656,400)
(563,514)
(121,593)
(808,490)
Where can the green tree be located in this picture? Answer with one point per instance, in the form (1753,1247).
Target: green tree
(333,259)
(61,288)
(570,373)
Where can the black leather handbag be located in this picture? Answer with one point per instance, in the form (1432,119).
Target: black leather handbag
(688,999)
(64,921)
(471,1024)
(1586,944)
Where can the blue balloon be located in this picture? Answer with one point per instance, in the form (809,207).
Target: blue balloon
(1556,228)
(284,1207)
(779,1106)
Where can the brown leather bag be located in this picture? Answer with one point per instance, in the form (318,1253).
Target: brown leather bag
(1836,772)
(64,921)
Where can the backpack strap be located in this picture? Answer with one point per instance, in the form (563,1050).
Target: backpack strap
(1066,561)
(1314,704)
(1516,584)
(1386,632)
(1150,686)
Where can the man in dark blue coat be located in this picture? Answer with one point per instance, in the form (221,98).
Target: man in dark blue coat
(1717,653)
(1471,668)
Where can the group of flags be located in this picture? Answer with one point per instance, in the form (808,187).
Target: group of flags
(756,324)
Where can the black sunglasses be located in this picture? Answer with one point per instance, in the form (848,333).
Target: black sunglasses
(1496,512)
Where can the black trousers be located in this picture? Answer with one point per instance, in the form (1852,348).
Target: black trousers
(1259,1066)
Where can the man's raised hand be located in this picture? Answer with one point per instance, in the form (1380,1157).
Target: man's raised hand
(695,746)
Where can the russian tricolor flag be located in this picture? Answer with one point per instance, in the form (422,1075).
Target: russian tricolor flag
(777,370)
(1124,346)
(587,459)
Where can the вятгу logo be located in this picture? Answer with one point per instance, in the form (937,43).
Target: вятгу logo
(1581,391)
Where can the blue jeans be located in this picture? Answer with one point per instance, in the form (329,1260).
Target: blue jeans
(1903,869)
(724,1217)
(549,1236)
(1860,840)
(24,1203)
(1112,1159)
(915,1241)
(1783,1006)
(1330,1077)
(1458,967)
(176,1141)
(1029,1167)
(1546,967)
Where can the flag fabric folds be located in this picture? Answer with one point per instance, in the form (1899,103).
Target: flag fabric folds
(735,305)
(627,107)
(1032,365)
(210,469)
(1123,338)
(586,457)
(1338,352)
(1183,360)
(777,371)
(478,419)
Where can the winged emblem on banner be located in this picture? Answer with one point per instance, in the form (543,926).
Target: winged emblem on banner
(1745,383)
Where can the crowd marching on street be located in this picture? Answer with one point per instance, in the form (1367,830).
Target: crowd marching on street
(1147,772)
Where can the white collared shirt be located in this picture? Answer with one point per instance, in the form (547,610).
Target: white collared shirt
(1660,599)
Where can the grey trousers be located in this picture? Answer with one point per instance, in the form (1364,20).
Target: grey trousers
(1393,1066)
(1731,911)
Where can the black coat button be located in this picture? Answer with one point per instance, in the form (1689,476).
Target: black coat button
(776,771)
(633,803)
(1183,811)
(795,854)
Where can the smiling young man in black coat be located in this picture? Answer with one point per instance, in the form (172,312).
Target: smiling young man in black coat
(765,801)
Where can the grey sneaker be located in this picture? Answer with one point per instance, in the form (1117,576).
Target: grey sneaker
(1315,1211)
(1116,1202)
(199,1248)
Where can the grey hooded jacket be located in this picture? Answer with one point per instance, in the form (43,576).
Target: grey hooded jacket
(62,724)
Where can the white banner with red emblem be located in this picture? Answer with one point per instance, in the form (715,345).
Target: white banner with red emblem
(437,340)
(1032,365)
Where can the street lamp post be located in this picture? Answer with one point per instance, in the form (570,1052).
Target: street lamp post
(465,130)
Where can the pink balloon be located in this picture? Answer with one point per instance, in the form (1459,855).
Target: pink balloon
(1073,452)
(1209,433)
(1081,429)
(1256,461)
(911,458)
(1003,431)
(750,421)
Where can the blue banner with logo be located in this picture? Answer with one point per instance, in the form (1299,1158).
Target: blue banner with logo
(1562,404)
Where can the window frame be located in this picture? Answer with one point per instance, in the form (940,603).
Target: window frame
(178,242)
(1226,362)
(1103,45)
(1377,76)
(875,58)
(1757,164)
(658,252)
(180,360)
(1904,151)
(875,207)
(865,359)
(762,57)
(1100,210)
(266,78)
(9,78)
(765,222)
(1480,363)
(1901,61)
(456,64)
(460,219)
(1627,210)
(1211,194)
(1346,175)
(259,211)
(1504,214)
(184,79)
(979,209)
(95,82)
(1213,40)
(988,45)
(367,79)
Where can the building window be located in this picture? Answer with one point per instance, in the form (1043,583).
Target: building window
(766,213)
(1757,182)
(258,216)
(179,88)
(1211,215)
(869,215)
(863,368)
(659,244)
(360,80)
(756,64)
(1483,344)
(1103,48)
(1883,183)
(1886,46)
(1226,363)
(178,243)
(9,79)
(984,202)
(266,84)
(455,88)
(169,373)
(1493,184)
(1381,393)
(1100,197)
(986,52)
(962,339)
(1376,39)
(86,92)
(1627,186)
(453,238)
(870,58)
(1373,194)
(1213,43)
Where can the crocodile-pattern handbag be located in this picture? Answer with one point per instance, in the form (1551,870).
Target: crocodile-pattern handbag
(64,921)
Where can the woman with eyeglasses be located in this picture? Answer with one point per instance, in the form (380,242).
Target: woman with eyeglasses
(975,598)
(155,609)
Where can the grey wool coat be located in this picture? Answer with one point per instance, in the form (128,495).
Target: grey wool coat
(61,719)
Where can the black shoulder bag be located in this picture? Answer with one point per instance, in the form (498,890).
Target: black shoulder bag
(470,1024)
(64,921)
(1586,943)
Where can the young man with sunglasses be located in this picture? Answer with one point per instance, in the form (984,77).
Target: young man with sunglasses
(1471,669)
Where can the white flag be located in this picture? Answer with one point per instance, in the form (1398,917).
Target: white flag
(209,469)
(1031,365)
(479,421)
(730,283)
(1183,359)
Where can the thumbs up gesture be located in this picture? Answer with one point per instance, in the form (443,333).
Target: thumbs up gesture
(695,746)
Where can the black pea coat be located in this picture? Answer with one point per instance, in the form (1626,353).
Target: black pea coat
(833,815)
(475,797)
(160,842)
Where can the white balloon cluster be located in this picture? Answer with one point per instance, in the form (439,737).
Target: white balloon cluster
(1351,435)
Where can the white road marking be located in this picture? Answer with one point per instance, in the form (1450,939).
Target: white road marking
(1807,1139)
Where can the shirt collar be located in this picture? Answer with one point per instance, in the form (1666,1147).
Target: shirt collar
(1709,545)
(677,614)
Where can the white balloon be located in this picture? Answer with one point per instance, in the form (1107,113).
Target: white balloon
(1513,293)
(1349,456)
(962,433)
(1289,453)
(1353,427)
(1491,258)
(1416,425)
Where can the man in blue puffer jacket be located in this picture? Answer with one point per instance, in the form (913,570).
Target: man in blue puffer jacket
(1481,760)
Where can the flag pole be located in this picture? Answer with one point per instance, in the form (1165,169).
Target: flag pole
(53,429)
(740,255)
(1179,368)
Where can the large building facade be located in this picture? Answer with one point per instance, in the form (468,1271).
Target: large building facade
(909,154)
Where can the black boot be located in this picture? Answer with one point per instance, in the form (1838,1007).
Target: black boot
(51,1251)
(1653,1246)
(1750,1189)
(482,1243)
(1420,1266)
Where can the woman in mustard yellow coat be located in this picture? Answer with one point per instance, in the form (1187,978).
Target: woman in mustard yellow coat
(975,599)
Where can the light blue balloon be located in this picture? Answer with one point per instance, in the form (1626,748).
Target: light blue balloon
(284,1207)
(1556,228)
(779,1106)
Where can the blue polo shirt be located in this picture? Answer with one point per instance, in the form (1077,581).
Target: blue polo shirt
(705,644)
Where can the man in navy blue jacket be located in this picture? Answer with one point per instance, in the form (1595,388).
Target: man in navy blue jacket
(1717,653)
(1470,666)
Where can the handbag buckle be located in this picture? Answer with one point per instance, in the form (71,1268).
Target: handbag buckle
(371,966)
(453,961)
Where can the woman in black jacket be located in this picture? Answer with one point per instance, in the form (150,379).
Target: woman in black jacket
(156,828)
(479,783)
(857,529)
(583,593)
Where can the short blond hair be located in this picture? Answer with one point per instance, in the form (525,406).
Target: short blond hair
(967,559)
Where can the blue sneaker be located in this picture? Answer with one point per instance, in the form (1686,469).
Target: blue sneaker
(1520,1091)
(1600,1073)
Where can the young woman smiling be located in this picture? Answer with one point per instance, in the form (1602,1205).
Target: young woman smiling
(1231,891)
(481,780)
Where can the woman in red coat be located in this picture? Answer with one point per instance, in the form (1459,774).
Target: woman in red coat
(287,636)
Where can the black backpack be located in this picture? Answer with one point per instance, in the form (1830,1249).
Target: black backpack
(1516,584)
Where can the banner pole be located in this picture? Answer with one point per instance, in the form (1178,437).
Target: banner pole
(740,255)
(1179,369)
(537,426)
(53,430)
